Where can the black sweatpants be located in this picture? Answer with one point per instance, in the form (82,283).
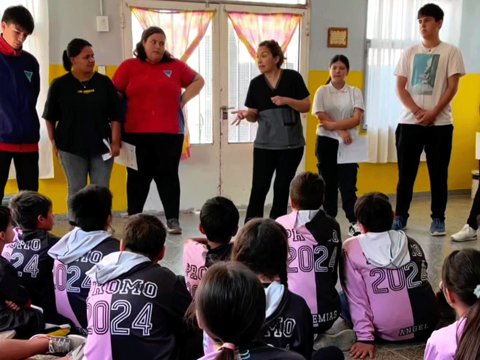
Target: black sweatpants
(411,140)
(26,168)
(158,158)
(284,164)
(336,176)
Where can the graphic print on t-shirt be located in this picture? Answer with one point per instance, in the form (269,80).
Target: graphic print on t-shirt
(424,73)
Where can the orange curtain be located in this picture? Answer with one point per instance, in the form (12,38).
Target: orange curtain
(184,30)
(252,28)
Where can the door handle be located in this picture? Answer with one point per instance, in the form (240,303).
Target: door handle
(224,111)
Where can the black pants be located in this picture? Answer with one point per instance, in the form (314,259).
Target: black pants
(26,167)
(336,176)
(158,158)
(411,140)
(284,164)
(474,211)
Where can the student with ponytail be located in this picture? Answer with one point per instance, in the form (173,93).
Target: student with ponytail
(461,286)
(230,308)
(83,120)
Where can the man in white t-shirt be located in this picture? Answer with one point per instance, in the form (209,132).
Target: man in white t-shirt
(427,80)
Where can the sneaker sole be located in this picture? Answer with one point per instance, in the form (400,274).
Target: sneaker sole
(174,231)
(463,240)
(438,233)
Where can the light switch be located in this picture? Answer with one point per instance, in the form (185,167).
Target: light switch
(102,24)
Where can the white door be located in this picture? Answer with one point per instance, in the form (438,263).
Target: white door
(221,154)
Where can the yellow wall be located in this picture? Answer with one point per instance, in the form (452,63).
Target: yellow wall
(372,177)
(56,188)
(383,177)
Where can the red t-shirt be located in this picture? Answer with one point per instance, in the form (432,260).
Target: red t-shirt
(153,95)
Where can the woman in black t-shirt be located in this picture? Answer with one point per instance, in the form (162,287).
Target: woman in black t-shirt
(275,100)
(83,119)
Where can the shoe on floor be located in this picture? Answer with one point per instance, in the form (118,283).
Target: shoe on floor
(342,340)
(437,228)
(354,229)
(465,234)
(399,223)
(339,325)
(173,226)
(61,345)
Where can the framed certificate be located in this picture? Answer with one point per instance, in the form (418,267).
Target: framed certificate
(337,37)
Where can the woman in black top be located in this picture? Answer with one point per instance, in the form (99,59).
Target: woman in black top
(83,119)
(275,99)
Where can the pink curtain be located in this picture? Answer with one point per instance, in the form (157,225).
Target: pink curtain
(184,31)
(254,28)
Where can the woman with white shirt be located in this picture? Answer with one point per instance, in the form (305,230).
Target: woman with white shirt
(339,107)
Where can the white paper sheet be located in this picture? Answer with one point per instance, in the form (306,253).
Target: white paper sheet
(128,156)
(355,152)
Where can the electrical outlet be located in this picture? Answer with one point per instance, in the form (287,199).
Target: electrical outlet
(102,24)
(102,69)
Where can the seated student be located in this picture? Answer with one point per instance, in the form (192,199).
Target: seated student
(32,212)
(262,245)
(219,222)
(315,248)
(385,280)
(461,286)
(77,251)
(228,292)
(15,311)
(135,306)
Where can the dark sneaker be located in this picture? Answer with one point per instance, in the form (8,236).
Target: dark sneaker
(437,228)
(173,226)
(354,229)
(399,223)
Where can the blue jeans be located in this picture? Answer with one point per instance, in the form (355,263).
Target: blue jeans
(78,168)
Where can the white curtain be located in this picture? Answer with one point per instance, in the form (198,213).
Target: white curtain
(391,27)
(37,44)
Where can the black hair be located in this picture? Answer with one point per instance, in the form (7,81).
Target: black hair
(19,15)
(374,212)
(27,206)
(307,191)
(91,207)
(432,10)
(144,234)
(5,218)
(262,245)
(461,275)
(275,50)
(343,59)
(139,51)
(230,303)
(219,218)
(74,48)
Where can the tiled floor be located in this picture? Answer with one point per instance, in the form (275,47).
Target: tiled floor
(436,248)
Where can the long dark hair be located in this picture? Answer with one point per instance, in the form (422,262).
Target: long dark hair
(139,51)
(343,59)
(74,48)
(461,275)
(262,245)
(230,304)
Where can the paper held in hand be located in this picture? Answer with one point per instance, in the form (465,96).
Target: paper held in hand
(128,156)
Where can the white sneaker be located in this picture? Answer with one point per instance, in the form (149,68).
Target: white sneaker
(466,234)
(343,340)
